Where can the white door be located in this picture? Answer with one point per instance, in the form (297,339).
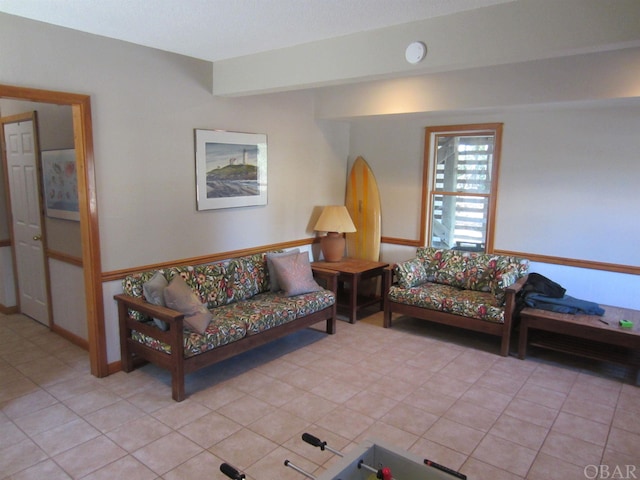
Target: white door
(22,175)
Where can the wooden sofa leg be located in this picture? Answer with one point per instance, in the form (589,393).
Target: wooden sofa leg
(177,387)
(127,361)
(504,346)
(177,378)
(387,322)
(331,325)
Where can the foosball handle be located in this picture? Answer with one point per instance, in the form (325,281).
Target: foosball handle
(315,441)
(448,470)
(231,472)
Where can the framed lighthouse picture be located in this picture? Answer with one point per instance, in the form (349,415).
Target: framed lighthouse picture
(231,169)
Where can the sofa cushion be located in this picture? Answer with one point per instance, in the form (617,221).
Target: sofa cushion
(208,282)
(411,273)
(153,291)
(452,269)
(295,275)
(445,298)
(268,310)
(482,272)
(236,320)
(431,258)
(246,277)
(180,297)
(133,285)
(494,273)
(274,285)
(220,331)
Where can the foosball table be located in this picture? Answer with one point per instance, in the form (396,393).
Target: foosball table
(372,459)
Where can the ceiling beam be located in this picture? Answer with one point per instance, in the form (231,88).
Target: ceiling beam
(514,32)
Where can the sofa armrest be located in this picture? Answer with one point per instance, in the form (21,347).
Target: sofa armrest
(329,276)
(156,311)
(175,320)
(516,286)
(510,297)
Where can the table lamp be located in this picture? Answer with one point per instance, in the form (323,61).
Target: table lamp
(334,220)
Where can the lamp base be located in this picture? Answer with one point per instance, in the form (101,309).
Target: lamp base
(332,246)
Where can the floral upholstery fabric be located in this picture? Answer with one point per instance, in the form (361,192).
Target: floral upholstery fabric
(272,309)
(216,284)
(469,284)
(446,298)
(237,293)
(411,273)
(207,281)
(236,320)
(481,272)
(246,277)
(219,332)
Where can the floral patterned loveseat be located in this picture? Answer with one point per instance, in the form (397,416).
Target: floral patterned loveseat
(470,290)
(232,306)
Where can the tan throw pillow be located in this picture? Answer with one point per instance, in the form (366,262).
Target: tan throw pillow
(273,277)
(294,274)
(153,291)
(179,296)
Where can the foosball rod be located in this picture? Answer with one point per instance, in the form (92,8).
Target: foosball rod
(383,473)
(287,463)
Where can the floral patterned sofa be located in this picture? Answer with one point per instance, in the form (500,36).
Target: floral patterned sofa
(474,291)
(187,317)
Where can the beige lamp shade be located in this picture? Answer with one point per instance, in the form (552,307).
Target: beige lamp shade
(334,220)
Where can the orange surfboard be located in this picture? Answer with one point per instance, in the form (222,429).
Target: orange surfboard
(363,203)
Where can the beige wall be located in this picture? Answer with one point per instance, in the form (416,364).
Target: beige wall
(146,105)
(567,189)
(567,184)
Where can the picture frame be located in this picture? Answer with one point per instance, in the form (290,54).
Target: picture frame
(231,169)
(60,181)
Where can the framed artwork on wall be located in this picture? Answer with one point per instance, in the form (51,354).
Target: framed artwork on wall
(231,169)
(60,184)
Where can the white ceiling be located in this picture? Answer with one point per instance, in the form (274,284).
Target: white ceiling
(221,29)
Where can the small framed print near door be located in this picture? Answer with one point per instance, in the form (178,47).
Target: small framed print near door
(60,184)
(231,169)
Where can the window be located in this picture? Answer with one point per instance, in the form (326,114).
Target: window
(462,164)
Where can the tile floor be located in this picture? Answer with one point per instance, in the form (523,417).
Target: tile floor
(438,393)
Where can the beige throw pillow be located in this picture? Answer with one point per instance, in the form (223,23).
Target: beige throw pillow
(153,291)
(179,296)
(273,276)
(294,274)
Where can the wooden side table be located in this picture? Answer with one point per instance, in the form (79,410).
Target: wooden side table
(352,271)
(590,336)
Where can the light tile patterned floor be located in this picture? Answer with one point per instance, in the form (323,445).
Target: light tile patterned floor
(440,393)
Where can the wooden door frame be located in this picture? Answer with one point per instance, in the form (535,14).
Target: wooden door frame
(92,267)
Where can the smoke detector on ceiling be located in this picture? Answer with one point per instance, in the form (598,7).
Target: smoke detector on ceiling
(415,52)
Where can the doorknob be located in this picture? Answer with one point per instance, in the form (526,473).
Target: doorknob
(37,237)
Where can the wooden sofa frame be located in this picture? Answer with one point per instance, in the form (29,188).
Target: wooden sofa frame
(135,353)
(502,330)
